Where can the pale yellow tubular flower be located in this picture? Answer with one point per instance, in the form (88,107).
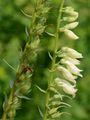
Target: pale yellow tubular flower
(73,61)
(68,9)
(73,69)
(74,14)
(69,89)
(70,34)
(69,19)
(71,52)
(71,25)
(71,12)
(67,74)
(66,86)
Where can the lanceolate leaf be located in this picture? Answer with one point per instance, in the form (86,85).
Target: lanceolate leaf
(24,97)
(40,89)
(50,34)
(41,114)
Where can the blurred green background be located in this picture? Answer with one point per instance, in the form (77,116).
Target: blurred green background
(13,37)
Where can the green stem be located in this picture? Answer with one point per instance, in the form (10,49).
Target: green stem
(54,59)
(58,25)
(46,105)
(4,116)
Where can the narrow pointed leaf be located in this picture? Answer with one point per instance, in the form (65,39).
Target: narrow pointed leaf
(50,34)
(40,112)
(40,89)
(23,97)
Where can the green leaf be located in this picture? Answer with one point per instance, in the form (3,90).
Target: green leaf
(40,89)
(29,16)
(53,110)
(56,115)
(63,103)
(50,34)
(23,97)
(41,114)
(9,65)
(50,55)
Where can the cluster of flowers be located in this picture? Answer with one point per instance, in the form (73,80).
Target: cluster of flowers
(71,17)
(69,57)
(68,69)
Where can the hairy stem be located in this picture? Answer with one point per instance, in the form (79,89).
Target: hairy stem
(54,59)
(12,93)
(9,104)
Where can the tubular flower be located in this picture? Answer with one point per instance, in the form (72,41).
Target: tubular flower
(73,61)
(66,86)
(67,67)
(71,25)
(70,34)
(73,15)
(67,74)
(73,69)
(70,19)
(71,52)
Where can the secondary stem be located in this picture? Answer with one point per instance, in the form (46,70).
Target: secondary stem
(54,59)
(10,102)
(11,96)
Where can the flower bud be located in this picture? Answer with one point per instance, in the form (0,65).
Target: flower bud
(35,44)
(67,74)
(71,25)
(71,52)
(70,34)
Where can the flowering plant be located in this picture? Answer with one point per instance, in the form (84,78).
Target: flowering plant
(62,73)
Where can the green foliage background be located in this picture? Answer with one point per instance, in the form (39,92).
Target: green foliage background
(12,37)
